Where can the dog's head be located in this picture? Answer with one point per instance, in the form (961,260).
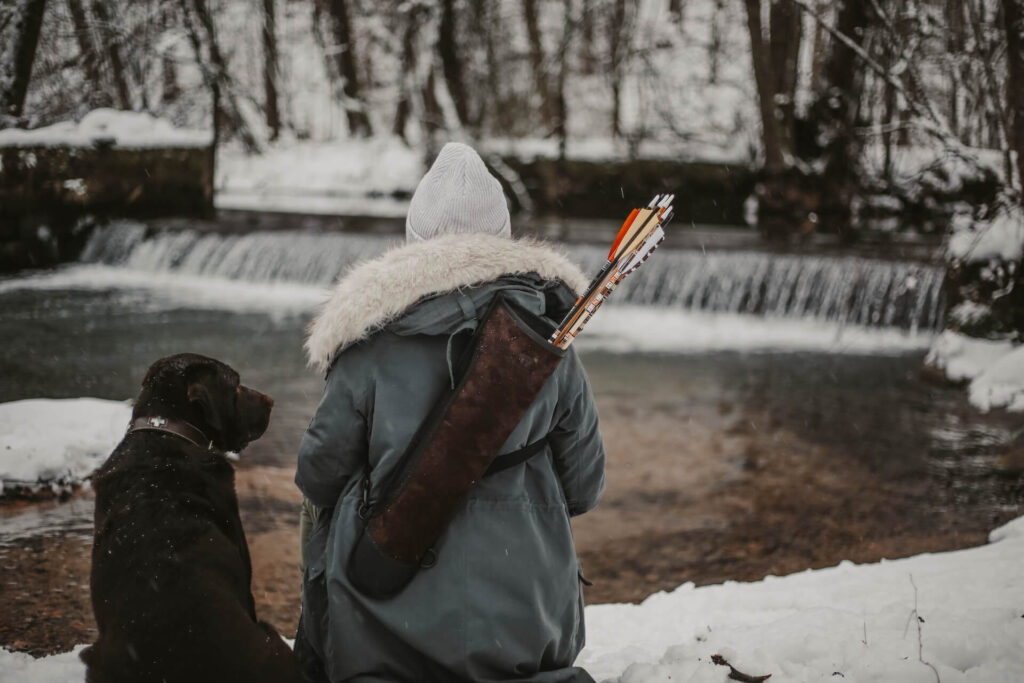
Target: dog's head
(207,394)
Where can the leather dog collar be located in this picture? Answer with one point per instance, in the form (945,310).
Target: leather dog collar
(178,428)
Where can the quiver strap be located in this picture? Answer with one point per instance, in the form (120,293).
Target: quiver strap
(506,365)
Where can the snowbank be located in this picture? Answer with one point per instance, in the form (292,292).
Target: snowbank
(63,668)
(57,443)
(995,369)
(127,129)
(1000,238)
(961,612)
(849,622)
(321,177)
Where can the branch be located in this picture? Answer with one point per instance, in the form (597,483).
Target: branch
(920,645)
(738,675)
(932,124)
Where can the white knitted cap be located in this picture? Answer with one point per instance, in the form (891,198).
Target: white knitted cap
(457,196)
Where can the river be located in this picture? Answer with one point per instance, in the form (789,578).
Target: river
(764,412)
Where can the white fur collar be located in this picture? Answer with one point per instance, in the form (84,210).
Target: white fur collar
(376,292)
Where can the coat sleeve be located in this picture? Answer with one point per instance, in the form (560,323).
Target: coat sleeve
(334,447)
(576,443)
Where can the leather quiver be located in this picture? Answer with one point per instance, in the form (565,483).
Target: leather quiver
(502,371)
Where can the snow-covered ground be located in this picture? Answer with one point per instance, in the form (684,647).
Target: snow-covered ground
(343,177)
(57,443)
(954,617)
(1001,237)
(994,369)
(109,126)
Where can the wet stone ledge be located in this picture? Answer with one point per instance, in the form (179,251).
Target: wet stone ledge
(46,192)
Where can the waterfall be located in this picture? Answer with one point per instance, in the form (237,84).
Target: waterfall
(843,289)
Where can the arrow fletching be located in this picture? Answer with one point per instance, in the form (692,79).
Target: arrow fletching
(641,233)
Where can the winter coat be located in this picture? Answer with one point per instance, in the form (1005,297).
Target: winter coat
(503,600)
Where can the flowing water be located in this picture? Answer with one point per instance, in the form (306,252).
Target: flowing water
(139,293)
(843,290)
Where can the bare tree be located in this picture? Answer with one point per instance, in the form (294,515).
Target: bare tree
(619,33)
(835,112)
(215,72)
(270,107)
(345,62)
(97,95)
(17,58)
(1013,18)
(561,106)
(411,16)
(531,19)
(451,61)
(588,62)
(112,41)
(715,41)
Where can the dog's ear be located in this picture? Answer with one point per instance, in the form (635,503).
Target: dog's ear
(200,395)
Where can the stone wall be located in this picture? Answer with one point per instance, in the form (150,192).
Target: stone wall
(705,192)
(47,191)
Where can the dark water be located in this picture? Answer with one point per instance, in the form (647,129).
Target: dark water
(874,409)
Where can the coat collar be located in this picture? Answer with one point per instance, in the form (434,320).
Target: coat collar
(374,293)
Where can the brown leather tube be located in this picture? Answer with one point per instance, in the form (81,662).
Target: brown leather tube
(510,362)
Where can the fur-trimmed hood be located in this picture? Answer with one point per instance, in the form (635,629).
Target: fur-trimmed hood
(374,293)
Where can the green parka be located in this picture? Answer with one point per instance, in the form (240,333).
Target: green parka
(504,599)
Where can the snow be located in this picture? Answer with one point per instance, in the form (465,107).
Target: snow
(625,329)
(375,176)
(607,150)
(960,612)
(125,129)
(618,328)
(1002,237)
(62,668)
(854,620)
(353,176)
(57,443)
(995,369)
(1001,384)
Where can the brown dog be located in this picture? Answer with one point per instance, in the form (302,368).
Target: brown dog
(170,567)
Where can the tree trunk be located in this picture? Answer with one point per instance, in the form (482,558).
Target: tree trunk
(675,10)
(818,54)
(433,116)
(97,95)
(412,14)
(495,75)
(561,107)
(451,63)
(715,42)
(1013,19)
(587,62)
(537,59)
(765,79)
(955,39)
(618,47)
(18,58)
(273,114)
(170,91)
(112,41)
(785,28)
(346,63)
(215,73)
(836,107)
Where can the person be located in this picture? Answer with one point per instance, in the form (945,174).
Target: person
(502,597)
